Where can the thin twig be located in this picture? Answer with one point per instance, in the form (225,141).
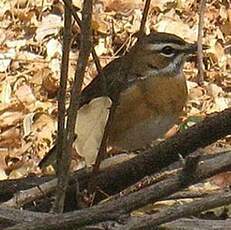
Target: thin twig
(62,156)
(144,18)
(85,48)
(96,61)
(76,17)
(200,77)
(78,20)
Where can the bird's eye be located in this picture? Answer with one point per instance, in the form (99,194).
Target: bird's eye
(168,51)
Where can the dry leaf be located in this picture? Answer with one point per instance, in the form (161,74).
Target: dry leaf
(162,4)
(3,165)
(54,65)
(100,47)
(4,6)
(6,58)
(170,21)
(99,24)
(77,3)
(216,52)
(11,138)
(54,49)
(50,84)
(123,6)
(90,124)
(51,25)
(8,119)
(44,124)
(220,102)
(44,127)
(3,175)
(21,169)
(27,124)
(6,93)
(25,96)
(222,180)
(16,43)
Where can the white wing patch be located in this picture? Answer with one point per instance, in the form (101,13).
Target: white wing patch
(90,125)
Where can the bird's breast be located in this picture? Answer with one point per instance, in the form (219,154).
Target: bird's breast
(147,110)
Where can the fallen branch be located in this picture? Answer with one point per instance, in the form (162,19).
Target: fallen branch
(201,224)
(211,129)
(26,196)
(200,77)
(173,213)
(113,210)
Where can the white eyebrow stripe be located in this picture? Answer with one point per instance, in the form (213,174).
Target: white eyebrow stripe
(153,47)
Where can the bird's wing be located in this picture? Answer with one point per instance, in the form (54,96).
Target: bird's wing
(110,82)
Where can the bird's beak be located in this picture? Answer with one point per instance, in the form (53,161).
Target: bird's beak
(192,48)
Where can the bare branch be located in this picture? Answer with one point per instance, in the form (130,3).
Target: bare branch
(113,210)
(186,223)
(211,129)
(62,156)
(179,211)
(85,49)
(93,52)
(199,41)
(144,18)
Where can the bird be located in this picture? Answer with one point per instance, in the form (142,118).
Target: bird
(149,86)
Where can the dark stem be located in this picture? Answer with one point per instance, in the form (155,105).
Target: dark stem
(85,48)
(200,78)
(93,52)
(62,156)
(144,18)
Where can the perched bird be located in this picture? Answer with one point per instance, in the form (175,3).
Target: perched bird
(149,84)
(152,89)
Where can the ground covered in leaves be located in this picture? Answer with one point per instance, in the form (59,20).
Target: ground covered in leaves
(30,57)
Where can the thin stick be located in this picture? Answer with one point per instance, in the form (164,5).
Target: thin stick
(77,19)
(85,48)
(144,18)
(200,77)
(62,158)
(96,61)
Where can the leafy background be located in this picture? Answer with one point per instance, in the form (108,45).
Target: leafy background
(30,57)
